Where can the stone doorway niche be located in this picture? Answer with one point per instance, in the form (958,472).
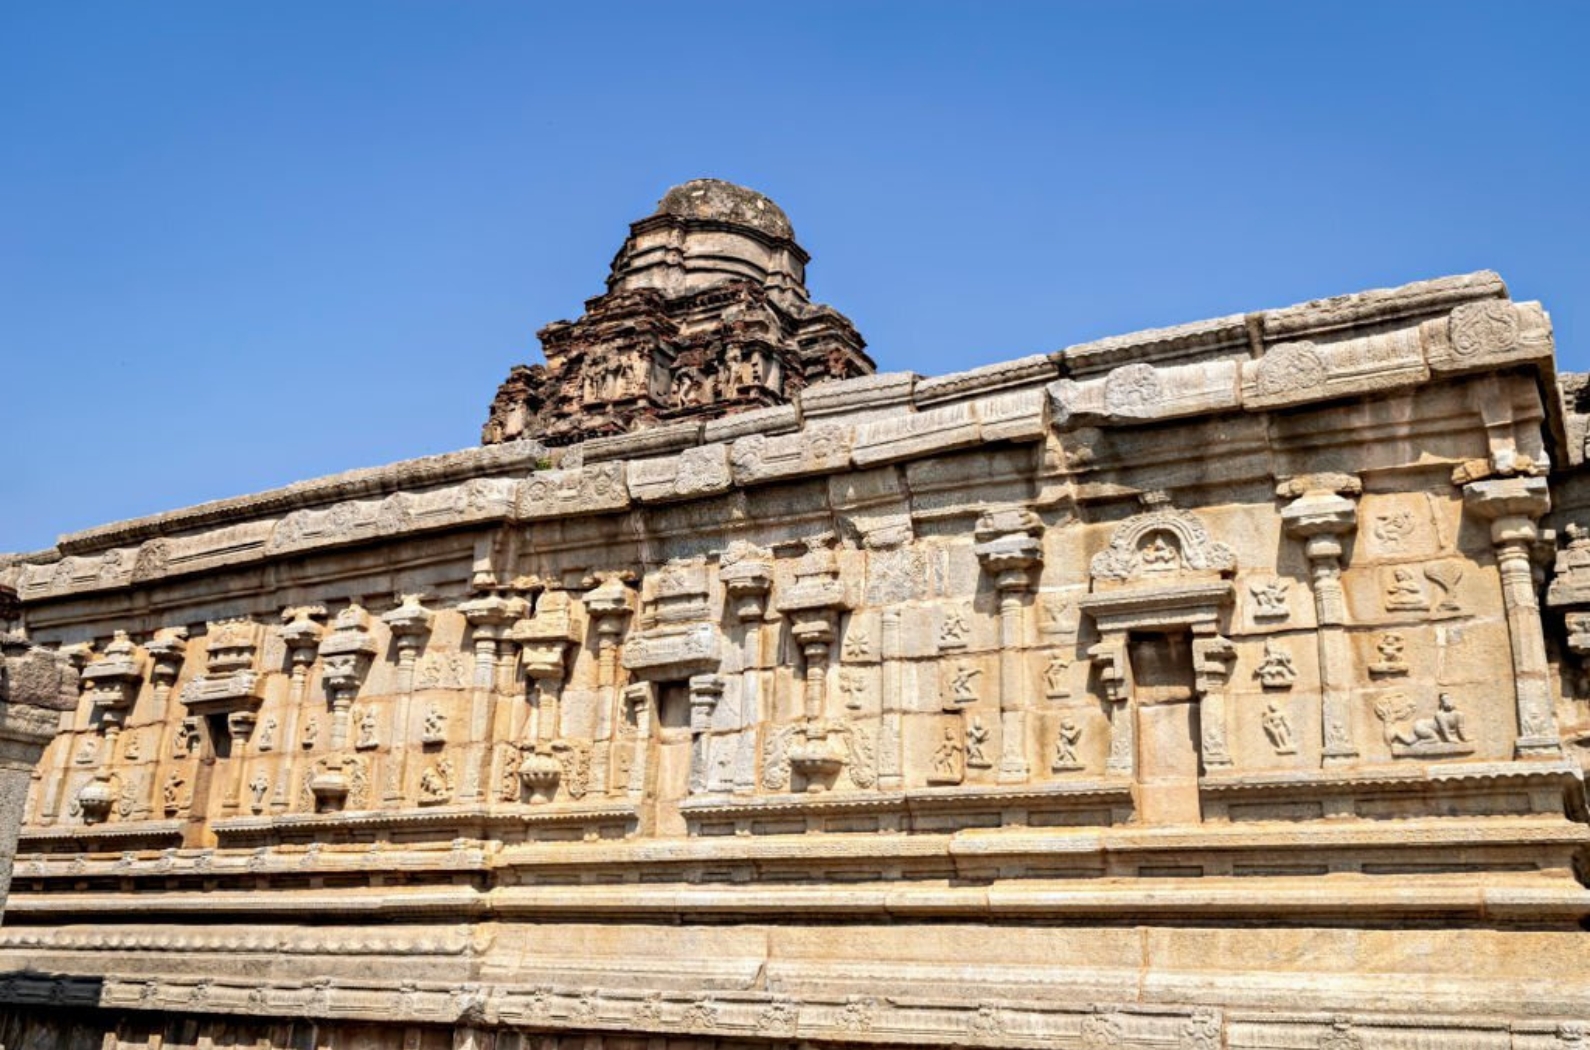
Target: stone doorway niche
(1160,595)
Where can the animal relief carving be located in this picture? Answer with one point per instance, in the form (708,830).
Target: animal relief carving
(1442,734)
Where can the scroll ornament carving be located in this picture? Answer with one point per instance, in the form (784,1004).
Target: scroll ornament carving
(1288,368)
(1202,1031)
(1160,542)
(1483,327)
(1102,1030)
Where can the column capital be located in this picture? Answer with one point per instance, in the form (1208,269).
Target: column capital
(1319,512)
(1511,505)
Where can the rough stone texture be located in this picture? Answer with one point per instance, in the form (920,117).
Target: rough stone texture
(706,314)
(1221,686)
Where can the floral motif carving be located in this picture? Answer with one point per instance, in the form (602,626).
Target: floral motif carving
(1288,368)
(1132,390)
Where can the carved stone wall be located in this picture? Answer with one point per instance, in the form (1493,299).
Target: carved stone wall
(1216,686)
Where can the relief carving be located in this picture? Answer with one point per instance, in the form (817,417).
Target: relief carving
(1440,735)
(1288,368)
(1067,739)
(1160,542)
(949,755)
(1483,327)
(976,741)
(1276,670)
(1056,677)
(1278,728)
(1391,649)
(1269,599)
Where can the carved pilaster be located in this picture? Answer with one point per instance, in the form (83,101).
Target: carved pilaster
(490,618)
(1109,658)
(748,580)
(1321,513)
(300,633)
(813,604)
(166,650)
(36,688)
(1008,547)
(1213,658)
(705,692)
(410,624)
(1513,506)
(610,605)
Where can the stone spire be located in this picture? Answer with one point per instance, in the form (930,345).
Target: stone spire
(706,313)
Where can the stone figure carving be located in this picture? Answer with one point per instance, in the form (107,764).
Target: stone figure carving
(367,730)
(132,749)
(267,734)
(186,738)
(976,740)
(434,729)
(257,788)
(853,684)
(1269,599)
(1276,670)
(1404,591)
(1160,541)
(1444,733)
(963,689)
(1066,741)
(1159,553)
(171,791)
(1279,729)
(86,751)
(311,733)
(1055,680)
(1390,647)
(949,756)
(1391,530)
(442,671)
(954,628)
(436,783)
(1052,611)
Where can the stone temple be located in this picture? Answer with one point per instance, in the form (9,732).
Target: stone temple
(1217,686)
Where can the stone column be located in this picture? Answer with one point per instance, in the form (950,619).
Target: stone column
(891,649)
(1320,514)
(705,692)
(36,687)
(409,623)
(1213,657)
(300,633)
(610,604)
(1109,656)
(748,584)
(1512,506)
(489,620)
(1009,556)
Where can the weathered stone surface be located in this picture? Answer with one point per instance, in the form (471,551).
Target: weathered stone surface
(1186,689)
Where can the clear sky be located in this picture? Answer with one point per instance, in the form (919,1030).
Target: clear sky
(243,244)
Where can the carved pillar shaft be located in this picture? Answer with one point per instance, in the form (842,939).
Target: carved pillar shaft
(705,692)
(1320,516)
(749,582)
(815,703)
(1008,549)
(1109,656)
(1012,678)
(1212,660)
(890,776)
(1512,506)
(642,703)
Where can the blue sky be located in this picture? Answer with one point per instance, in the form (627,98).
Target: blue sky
(248,243)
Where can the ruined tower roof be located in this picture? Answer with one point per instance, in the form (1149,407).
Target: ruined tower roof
(713,200)
(706,314)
